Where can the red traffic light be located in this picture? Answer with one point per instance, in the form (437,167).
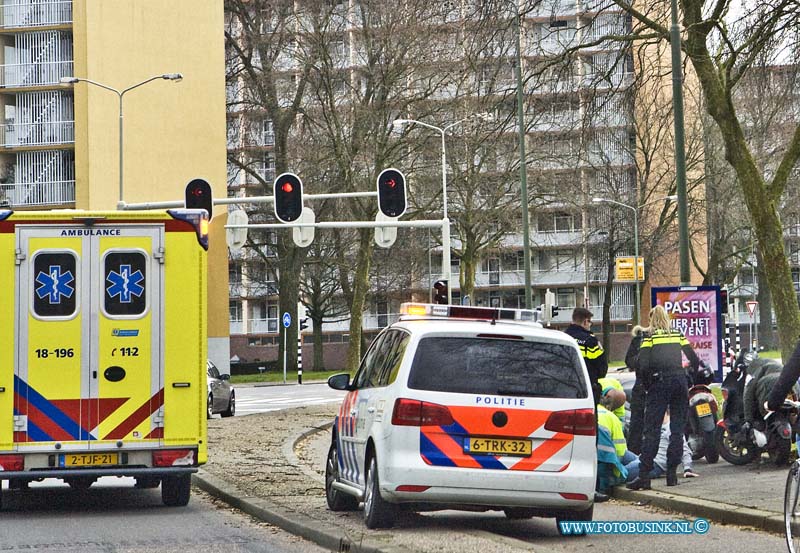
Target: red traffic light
(198,196)
(392,193)
(288,195)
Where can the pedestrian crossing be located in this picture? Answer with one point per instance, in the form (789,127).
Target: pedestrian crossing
(249,406)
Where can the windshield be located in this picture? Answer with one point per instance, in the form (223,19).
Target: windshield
(497,367)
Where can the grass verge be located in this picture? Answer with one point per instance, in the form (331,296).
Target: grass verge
(274,377)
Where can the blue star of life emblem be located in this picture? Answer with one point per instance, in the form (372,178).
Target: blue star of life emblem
(53,284)
(125,284)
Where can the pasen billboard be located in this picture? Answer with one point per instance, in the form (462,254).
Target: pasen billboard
(695,311)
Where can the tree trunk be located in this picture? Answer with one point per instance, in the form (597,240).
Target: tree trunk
(290,261)
(319,363)
(466,279)
(360,289)
(766,337)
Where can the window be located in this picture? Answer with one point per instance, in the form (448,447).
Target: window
(267,133)
(235,311)
(563,222)
(565,298)
(126,283)
(565,260)
(55,284)
(497,367)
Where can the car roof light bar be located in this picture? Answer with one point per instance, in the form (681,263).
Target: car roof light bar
(465,312)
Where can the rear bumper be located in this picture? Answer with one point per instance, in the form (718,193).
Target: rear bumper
(96,473)
(488,488)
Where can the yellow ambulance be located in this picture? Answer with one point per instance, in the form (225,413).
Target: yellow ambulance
(103,347)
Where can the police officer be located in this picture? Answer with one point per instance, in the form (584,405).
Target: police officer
(591,350)
(664,379)
(786,381)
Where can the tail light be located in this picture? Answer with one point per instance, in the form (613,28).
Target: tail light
(575,421)
(12,462)
(173,458)
(410,412)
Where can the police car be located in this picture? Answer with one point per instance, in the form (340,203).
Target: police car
(463,407)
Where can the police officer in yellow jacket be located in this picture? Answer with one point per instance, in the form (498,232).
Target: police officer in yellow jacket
(591,350)
(661,368)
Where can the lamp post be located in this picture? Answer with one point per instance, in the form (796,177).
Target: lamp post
(446,272)
(176,77)
(635,210)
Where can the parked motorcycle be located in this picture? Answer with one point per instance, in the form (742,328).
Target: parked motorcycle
(736,441)
(702,420)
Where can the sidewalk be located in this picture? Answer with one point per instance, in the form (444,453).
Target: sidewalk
(750,495)
(271,466)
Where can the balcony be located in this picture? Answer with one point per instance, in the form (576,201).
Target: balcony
(48,133)
(263,326)
(38,193)
(19,75)
(237,327)
(40,14)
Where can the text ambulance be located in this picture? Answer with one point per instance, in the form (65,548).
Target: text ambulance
(103,347)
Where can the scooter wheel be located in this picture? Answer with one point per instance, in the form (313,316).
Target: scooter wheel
(733,451)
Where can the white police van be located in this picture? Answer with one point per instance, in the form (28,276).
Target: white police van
(463,407)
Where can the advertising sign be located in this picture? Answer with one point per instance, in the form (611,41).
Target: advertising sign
(695,311)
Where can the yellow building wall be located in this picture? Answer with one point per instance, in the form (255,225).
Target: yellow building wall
(173,132)
(654,117)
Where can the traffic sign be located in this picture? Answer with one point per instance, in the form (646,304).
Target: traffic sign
(751,307)
(287,320)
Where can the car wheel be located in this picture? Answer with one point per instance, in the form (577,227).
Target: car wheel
(231,410)
(175,490)
(337,499)
(377,512)
(210,407)
(579,516)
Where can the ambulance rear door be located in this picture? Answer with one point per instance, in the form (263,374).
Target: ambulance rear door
(89,370)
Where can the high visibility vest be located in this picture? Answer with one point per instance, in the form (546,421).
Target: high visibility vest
(611,422)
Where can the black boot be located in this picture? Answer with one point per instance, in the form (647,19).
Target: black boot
(638,483)
(672,477)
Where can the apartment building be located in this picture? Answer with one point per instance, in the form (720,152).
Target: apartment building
(579,121)
(61,142)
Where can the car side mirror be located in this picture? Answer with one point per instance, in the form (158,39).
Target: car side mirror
(224,376)
(340,381)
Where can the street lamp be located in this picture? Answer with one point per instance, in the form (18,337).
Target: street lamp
(176,77)
(635,241)
(446,272)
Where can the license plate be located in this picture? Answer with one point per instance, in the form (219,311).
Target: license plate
(703,409)
(498,446)
(88,459)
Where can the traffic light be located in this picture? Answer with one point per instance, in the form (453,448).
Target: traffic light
(440,296)
(392,193)
(198,196)
(550,308)
(288,194)
(723,302)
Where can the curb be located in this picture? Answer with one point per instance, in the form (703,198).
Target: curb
(723,513)
(294,522)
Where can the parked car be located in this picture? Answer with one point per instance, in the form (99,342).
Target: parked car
(221,395)
(465,408)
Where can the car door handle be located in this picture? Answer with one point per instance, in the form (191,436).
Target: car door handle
(370,409)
